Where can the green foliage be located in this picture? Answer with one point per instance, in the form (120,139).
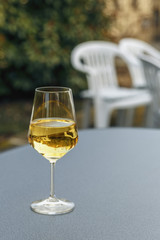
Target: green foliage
(36,39)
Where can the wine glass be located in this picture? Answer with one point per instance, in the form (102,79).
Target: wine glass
(53,133)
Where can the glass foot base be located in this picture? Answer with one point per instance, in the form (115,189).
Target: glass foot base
(52,206)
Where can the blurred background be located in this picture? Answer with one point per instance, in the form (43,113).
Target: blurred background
(36,40)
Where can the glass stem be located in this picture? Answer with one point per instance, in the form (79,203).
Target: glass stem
(52,181)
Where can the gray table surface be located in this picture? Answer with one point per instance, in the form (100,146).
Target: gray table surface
(112,175)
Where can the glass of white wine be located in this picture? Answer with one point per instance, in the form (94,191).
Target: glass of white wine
(53,133)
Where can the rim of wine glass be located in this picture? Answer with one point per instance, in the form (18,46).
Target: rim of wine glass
(52,89)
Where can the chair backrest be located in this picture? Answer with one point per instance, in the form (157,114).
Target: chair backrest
(137,47)
(97,60)
(151,68)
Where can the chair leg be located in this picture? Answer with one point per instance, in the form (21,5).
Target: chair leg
(125,117)
(102,114)
(121,114)
(86,113)
(156,123)
(148,116)
(102,121)
(129,117)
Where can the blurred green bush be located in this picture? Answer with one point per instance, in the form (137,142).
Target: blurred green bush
(36,39)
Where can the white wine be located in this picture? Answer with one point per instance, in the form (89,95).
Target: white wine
(53,133)
(53,137)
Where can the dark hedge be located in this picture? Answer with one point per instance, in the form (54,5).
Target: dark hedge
(36,39)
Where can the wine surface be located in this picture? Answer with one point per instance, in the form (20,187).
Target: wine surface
(53,137)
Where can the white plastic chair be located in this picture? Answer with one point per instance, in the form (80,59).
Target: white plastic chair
(151,68)
(135,47)
(97,60)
